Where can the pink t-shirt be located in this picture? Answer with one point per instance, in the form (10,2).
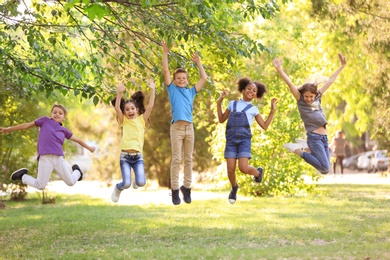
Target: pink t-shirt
(51,136)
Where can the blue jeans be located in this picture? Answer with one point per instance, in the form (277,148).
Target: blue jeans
(319,156)
(127,162)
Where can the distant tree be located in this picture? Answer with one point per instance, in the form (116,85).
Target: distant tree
(366,24)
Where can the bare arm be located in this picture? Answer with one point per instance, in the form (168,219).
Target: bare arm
(334,75)
(265,124)
(293,89)
(24,126)
(222,116)
(202,74)
(82,143)
(119,114)
(149,108)
(167,75)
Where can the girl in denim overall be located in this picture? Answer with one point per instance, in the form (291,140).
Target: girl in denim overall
(316,150)
(240,115)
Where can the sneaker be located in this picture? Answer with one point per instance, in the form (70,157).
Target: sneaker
(115,194)
(17,175)
(302,142)
(259,178)
(76,167)
(186,193)
(233,195)
(292,147)
(175,197)
(134,184)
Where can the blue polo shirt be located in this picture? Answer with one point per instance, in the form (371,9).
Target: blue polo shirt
(181,100)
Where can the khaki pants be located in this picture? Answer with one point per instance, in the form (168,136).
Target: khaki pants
(46,165)
(182,142)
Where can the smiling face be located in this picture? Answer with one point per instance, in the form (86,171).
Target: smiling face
(249,92)
(130,111)
(309,97)
(180,79)
(58,114)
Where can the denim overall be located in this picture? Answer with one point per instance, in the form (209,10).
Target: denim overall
(238,134)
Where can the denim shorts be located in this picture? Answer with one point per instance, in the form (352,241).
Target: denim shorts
(238,143)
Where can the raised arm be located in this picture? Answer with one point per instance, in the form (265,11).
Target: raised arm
(202,74)
(293,89)
(119,114)
(24,126)
(82,143)
(222,116)
(265,124)
(149,107)
(334,75)
(167,75)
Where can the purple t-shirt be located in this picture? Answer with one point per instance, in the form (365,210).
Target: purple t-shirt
(51,136)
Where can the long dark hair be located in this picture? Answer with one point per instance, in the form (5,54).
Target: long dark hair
(309,87)
(137,99)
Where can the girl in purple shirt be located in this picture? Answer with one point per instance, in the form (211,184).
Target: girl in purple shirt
(50,153)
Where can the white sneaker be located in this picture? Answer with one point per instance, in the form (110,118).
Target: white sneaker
(115,194)
(302,142)
(292,147)
(134,184)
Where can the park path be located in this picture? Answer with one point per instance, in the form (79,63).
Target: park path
(154,195)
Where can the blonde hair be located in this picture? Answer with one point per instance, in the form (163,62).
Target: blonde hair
(60,107)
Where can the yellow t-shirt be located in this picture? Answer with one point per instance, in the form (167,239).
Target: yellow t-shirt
(133,134)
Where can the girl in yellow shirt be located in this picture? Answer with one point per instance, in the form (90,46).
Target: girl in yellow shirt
(131,116)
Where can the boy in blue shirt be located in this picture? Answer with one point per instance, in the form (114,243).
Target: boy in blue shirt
(181,131)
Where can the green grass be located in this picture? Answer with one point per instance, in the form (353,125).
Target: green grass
(341,222)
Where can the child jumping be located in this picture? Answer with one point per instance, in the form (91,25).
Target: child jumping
(132,120)
(182,130)
(50,152)
(309,105)
(240,115)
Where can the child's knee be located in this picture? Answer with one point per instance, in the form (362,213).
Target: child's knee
(140,184)
(127,185)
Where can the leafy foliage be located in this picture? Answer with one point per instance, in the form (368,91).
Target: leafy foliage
(84,47)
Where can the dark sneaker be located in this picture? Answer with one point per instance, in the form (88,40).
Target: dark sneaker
(259,178)
(186,194)
(76,167)
(175,197)
(233,195)
(17,175)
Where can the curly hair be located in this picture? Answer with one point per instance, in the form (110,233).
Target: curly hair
(244,82)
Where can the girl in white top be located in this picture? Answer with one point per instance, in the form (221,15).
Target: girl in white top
(132,120)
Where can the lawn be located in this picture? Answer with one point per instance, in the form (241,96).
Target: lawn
(339,222)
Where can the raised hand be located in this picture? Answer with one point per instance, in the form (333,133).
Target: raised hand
(277,63)
(151,84)
(121,87)
(223,95)
(165,46)
(195,57)
(274,101)
(343,60)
